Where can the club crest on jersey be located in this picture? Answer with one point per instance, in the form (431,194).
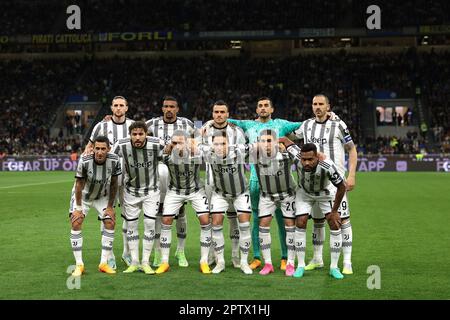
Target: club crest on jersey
(327,130)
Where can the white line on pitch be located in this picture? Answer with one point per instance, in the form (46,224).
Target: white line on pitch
(34,184)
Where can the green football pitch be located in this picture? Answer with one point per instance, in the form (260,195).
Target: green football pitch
(400,224)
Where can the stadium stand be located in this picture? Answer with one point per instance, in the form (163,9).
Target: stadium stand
(32,91)
(20,17)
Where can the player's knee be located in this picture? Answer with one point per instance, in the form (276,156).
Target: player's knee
(204,219)
(109,224)
(301,222)
(167,220)
(289,222)
(265,222)
(243,217)
(334,223)
(217,219)
(76,224)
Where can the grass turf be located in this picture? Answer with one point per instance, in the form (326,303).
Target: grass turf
(400,223)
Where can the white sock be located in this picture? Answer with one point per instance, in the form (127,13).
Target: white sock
(265,241)
(290,244)
(335,247)
(318,240)
(234,235)
(126,248)
(158,223)
(111,252)
(205,242)
(133,241)
(347,239)
(107,244)
(166,240)
(300,245)
(149,237)
(76,240)
(218,242)
(181,225)
(245,239)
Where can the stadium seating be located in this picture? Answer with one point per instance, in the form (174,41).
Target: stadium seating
(48,16)
(31,92)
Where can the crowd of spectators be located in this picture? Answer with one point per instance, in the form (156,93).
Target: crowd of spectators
(49,16)
(434,70)
(291,83)
(413,143)
(32,91)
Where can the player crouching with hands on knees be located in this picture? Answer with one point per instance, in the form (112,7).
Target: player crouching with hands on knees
(314,180)
(95,186)
(277,186)
(183,160)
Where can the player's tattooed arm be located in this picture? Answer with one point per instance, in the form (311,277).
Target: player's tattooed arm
(352,163)
(79,186)
(334,215)
(286,141)
(109,211)
(78,212)
(292,136)
(113,191)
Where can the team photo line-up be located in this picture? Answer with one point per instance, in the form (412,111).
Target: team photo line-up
(154,167)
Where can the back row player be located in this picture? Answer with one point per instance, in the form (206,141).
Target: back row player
(114,130)
(116,127)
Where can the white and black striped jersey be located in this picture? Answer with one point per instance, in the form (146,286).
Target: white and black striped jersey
(275,177)
(318,181)
(140,165)
(113,130)
(228,173)
(97,176)
(235,135)
(184,173)
(157,127)
(330,137)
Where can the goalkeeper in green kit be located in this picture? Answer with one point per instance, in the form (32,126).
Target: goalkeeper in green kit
(252,128)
